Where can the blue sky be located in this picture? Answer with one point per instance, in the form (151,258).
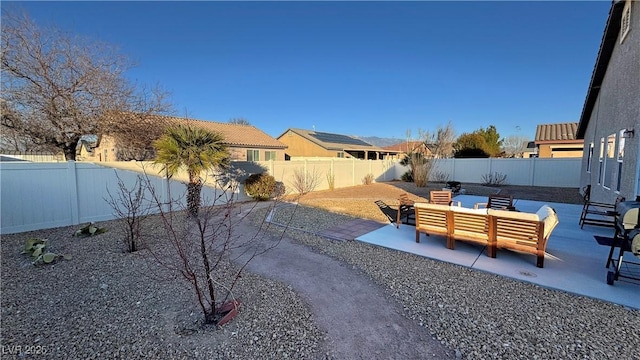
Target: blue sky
(355,68)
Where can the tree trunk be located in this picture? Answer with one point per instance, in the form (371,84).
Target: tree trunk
(193,198)
(69,152)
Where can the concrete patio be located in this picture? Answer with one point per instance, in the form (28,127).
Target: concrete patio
(574,262)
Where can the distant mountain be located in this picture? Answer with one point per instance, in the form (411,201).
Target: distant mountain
(380,142)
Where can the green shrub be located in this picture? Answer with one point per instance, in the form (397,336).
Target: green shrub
(37,249)
(260,187)
(89,230)
(407,176)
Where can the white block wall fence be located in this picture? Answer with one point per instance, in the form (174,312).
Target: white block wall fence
(46,195)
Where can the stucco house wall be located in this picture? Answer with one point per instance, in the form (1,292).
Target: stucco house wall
(616,108)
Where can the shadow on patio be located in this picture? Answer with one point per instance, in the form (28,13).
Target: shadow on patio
(574,261)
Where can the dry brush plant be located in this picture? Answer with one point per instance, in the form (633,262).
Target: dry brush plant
(305,181)
(496,179)
(331,180)
(367,179)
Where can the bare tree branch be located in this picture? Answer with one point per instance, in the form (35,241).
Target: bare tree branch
(61,86)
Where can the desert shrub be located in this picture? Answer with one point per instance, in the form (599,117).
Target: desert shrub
(305,181)
(260,187)
(279,190)
(37,248)
(407,176)
(440,176)
(331,180)
(89,230)
(367,179)
(421,174)
(495,179)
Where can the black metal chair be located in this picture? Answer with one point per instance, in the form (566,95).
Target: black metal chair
(597,213)
(497,202)
(405,211)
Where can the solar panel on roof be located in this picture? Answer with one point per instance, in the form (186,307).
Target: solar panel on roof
(338,139)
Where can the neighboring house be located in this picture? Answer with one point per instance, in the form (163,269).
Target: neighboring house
(245,142)
(610,116)
(308,143)
(407,147)
(558,141)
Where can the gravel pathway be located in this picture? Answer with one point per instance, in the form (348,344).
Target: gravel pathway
(358,317)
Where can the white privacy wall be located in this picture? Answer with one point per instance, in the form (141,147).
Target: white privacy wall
(563,172)
(46,195)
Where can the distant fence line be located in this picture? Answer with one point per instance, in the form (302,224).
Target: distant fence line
(35,156)
(45,195)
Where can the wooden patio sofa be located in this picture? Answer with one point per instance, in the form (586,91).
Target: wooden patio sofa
(496,229)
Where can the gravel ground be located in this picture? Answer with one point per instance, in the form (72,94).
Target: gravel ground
(105,303)
(481,315)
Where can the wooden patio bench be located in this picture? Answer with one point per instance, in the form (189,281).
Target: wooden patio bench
(497,229)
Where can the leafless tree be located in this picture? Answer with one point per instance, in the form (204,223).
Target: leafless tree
(514,145)
(134,133)
(208,250)
(440,141)
(61,86)
(239,121)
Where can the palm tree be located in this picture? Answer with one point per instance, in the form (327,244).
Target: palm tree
(194,149)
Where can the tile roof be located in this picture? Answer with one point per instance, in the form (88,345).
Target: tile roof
(234,134)
(556,132)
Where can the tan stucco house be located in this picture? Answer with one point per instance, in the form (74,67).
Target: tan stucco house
(309,143)
(245,142)
(407,147)
(558,141)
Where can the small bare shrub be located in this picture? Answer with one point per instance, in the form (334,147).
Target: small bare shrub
(130,208)
(305,181)
(440,176)
(367,179)
(495,179)
(331,180)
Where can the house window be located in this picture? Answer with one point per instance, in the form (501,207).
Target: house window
(589,158)
(620,158)
(609,164)
(601,161)
(270,155)
(625,22)
(340,154)
(253,155)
